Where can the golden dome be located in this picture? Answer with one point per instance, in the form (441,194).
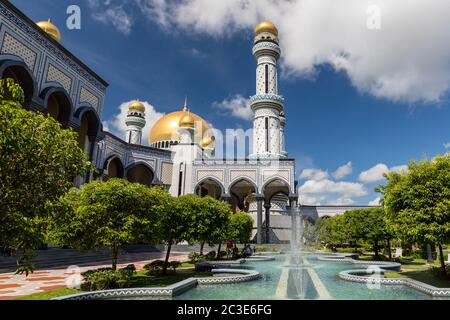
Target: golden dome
(50,29)
(166,128)
(187,121)
(136,105)
(207,141)
(266,26)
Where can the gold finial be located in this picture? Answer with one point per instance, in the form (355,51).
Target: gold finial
(185,106)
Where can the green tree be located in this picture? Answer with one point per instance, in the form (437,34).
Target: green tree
(173,224)
(38,161)
(209,219)
(240,227)
(418,202)
(110,214)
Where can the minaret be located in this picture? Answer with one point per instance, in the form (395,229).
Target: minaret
(135,121)
(268,134)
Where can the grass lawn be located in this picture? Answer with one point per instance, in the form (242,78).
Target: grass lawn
(141,279)
(49,294)
(425,276)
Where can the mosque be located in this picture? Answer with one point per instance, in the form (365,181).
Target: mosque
(181,145)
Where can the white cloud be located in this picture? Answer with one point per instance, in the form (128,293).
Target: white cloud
(313,174)
(446,145)
(106,12)
(116,124)
(346,189)
(375,202)
(237,106)
(343,171)
(310,200)
(375,173)
(341,201)
(405,60)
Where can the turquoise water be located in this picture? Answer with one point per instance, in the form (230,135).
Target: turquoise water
(299,285)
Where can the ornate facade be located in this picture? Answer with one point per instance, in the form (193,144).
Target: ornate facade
(181,151)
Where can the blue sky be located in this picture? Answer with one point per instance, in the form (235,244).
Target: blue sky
(347,99)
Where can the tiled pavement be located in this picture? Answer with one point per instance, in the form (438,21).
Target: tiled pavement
(44,279)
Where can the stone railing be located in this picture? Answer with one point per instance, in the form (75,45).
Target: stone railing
(378,268)
(238,275)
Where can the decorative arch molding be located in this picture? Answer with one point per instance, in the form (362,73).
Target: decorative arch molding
(29,83)
(95,123)
(111,158)
(275,178)
(131,165)
(61,94)
(254,185)
(217,181)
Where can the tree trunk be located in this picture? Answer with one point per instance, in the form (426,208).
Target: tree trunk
(166,261)
(441,258)
(429,254)
(115,251)
(202,244)
(356,246)
(389,248)
(375,248)
(218,251)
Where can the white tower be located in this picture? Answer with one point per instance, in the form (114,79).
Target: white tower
(268,129)
(135,121)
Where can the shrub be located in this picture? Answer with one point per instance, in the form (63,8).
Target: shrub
(437,271)
(155,266)
(131,267)
(195,257)
(105,278)
(211,255)
(174,265)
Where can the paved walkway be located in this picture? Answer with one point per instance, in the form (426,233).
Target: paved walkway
(45,279)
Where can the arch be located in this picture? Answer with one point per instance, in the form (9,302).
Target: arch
(140,172)
(237,180)
(58,103)
(22,75)
(273,186)
(91,116)
(241,188)
(88,129)
(114,167)
(210,189)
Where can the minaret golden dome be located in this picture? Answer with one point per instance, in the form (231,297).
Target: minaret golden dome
(136,105)
(266,26)
(187,121)
(50,29)
(166,128)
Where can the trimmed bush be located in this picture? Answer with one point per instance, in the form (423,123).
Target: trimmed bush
(155,266)
(103,279)
(211,255)
(195,257)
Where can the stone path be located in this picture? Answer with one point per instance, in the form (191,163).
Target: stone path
(44,279)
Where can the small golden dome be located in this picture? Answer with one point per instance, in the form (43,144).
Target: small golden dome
(266,26)
(206,141)
(50,29)
(136,105)
(187,121)
(166,128)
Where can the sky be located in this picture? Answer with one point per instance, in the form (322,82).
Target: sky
(366,82)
